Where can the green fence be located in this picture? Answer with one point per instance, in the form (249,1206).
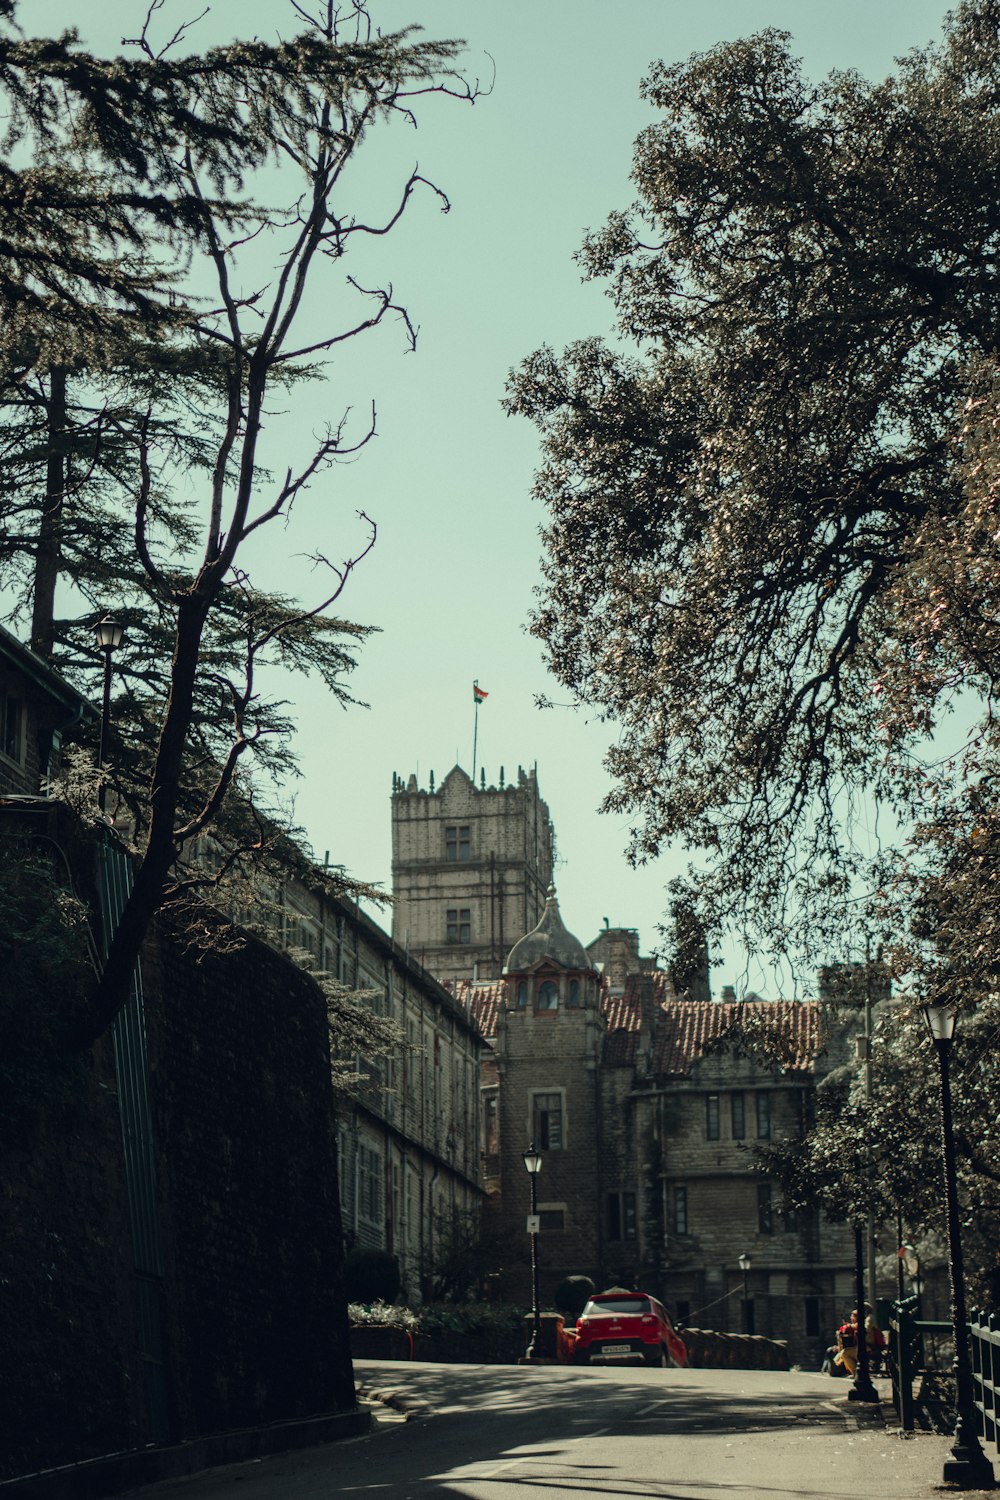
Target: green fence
(984,1335)
(909,1356)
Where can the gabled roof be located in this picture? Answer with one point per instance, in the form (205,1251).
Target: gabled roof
(686,1030)
(481,1003)
(51,682)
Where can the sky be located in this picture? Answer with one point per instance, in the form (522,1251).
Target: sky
(528,169)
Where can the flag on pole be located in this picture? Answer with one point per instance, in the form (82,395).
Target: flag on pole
(478,693)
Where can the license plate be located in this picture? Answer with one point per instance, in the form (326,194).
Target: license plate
(615,1348)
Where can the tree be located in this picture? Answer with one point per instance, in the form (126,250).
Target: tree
(749,517)
(885,1155)
(219,284)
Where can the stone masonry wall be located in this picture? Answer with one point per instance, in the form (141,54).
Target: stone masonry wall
(554,1052)
(244,1130)
(255,1319)
(501,881)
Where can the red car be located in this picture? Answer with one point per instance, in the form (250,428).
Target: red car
(616,1327)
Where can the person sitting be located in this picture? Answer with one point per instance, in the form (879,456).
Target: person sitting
(847,1342)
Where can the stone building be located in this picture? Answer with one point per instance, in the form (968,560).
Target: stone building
(408,1148)
(646,1119)
(470,867)
(37,708)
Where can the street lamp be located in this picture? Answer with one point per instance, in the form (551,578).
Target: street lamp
(109,632)
(744,1264)
(533,1165)
(863,1388)
(968,1466)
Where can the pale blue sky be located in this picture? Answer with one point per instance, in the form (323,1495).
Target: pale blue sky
(448,480)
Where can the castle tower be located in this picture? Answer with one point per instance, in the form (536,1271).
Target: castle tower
(470,868)
(548,1048)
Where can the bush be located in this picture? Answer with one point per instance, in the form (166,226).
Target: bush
(381,1315)
(571,1295)
(371,1276)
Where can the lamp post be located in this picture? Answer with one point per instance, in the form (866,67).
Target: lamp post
(744,1264)
(863,1388)
(968,1466)
(109,632)
(533,1165)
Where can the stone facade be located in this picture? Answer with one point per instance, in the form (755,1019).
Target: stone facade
(408,1145)
(470,868)
(650,1180)
(37,707)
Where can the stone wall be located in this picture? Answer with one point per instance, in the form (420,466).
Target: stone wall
(254,1315)
(554,1052)
(243,1116)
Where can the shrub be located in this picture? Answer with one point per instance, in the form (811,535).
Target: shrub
(381,1315)
(371,1276)
(571,1295)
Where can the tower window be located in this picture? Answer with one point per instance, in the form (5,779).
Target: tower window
(680,1210)
(764,1117)
(522,993)
(548,995)
(574,992)
(491,1138)
(621,1216)
(459,925)
(457,842)
(547,1121)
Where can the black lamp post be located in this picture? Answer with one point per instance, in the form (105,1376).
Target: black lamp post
(863,1388)
(533,1165)
(968,1466)
(744,1264)
(109,632)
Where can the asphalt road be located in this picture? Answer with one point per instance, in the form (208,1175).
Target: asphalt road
(506,1433)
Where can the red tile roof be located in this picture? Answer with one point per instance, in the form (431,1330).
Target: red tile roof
(481,1003)
(785,1033)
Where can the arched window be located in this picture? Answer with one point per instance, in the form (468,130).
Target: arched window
(522,994)
(574,992)
(548,995)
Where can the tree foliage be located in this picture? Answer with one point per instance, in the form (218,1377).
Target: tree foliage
(149,346)
(762,528)
(884,1155)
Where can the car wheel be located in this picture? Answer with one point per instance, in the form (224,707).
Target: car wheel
(657,1357)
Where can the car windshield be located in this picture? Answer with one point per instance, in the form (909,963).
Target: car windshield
(616,1305)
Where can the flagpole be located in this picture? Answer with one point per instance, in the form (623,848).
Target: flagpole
(475,729)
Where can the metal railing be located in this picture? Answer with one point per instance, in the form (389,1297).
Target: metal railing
(908,1355)
(984,1336)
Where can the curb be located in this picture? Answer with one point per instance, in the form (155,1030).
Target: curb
(408,1406)
(114,1473)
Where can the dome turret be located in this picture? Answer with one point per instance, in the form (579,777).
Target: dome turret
(549,940)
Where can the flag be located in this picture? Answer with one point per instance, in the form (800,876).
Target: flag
(478,693)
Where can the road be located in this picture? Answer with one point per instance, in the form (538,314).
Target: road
(507,1433)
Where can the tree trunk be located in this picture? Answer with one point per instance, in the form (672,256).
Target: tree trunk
(49,549)
(151,876)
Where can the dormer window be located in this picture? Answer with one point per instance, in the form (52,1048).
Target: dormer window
(548,995)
